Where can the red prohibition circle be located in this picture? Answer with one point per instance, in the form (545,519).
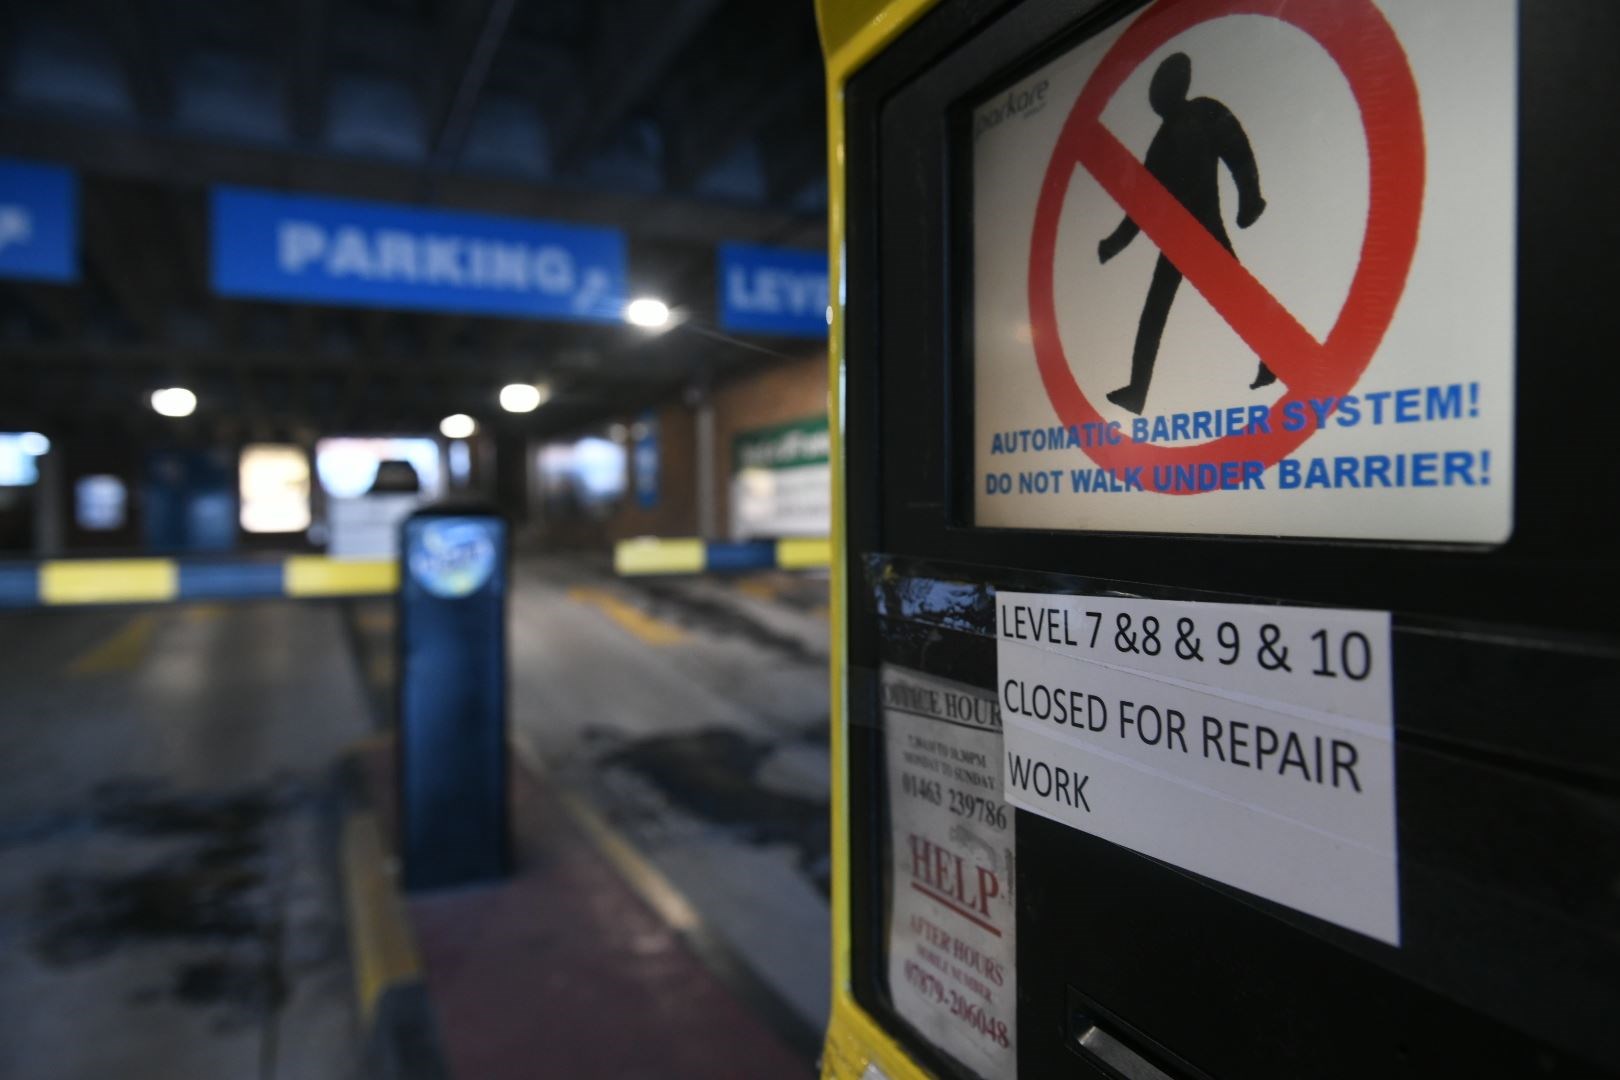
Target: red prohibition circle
(1361,42)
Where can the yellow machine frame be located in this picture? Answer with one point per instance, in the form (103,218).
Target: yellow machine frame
(852,33)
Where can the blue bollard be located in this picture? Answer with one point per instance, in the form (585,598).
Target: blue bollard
(452,697)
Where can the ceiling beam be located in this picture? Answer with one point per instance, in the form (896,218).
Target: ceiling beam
(145,64)
(60,307)
(449,133)
(729,119)
(189,245)
(114,258)
(305,51)
(188,163)
(792,161)
(637,46)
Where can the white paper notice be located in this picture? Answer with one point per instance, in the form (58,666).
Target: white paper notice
(951,932)
(1247,743)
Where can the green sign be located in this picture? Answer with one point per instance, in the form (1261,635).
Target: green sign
(782,446)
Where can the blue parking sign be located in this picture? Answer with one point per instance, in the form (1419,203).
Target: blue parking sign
(311,249)
(39,227)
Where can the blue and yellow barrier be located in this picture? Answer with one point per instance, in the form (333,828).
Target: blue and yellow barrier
(57,582)
(689,555)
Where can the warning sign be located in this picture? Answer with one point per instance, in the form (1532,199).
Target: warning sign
(1252,744)
(951,919)
(1246,267)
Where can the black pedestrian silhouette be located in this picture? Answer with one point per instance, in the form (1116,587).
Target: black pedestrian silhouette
(1185,156)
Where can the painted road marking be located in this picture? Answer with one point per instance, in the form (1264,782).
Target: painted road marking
(648,629)
(765,589)
(203,613)
(123,651)
(383,949)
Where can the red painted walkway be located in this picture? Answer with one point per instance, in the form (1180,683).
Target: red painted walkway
(565,971)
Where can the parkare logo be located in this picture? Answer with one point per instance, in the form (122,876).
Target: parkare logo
(397,255)
(1022,101)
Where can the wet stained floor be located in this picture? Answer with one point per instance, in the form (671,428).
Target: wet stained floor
(167,899)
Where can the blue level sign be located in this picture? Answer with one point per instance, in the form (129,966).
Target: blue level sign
(317,250)
(39,221)
(773,290)
(646,460)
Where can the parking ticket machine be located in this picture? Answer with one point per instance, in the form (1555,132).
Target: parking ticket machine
(1226,660)
(451,696)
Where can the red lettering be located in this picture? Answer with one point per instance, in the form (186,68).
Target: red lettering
(989,887)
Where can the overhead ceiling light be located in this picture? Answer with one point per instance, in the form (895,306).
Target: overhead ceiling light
(457,426)
(523,397)
(647,313)
(174,401)
(33,444)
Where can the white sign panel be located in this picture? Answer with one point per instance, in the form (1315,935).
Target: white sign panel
(781,483)
(1248,268)
(775,503)
(951,923)
(1247,743)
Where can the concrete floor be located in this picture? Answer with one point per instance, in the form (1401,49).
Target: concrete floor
(167,907)
(166,902)
(693,712)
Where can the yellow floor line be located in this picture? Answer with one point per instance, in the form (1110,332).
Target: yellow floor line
(631,618)
(640,874)
(374,618)
(383,950)
(121,652)
(758,588)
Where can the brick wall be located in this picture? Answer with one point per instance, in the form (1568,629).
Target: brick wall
(676,511)
(793,390)
(785,391)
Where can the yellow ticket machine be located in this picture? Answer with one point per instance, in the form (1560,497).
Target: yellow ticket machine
(1225,665)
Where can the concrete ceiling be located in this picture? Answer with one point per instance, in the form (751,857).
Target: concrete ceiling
(686,123)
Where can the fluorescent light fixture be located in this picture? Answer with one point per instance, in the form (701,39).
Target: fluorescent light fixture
(174,401)
(522,397)
(33,444)
(273,488)
(457,426)
(647,312)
